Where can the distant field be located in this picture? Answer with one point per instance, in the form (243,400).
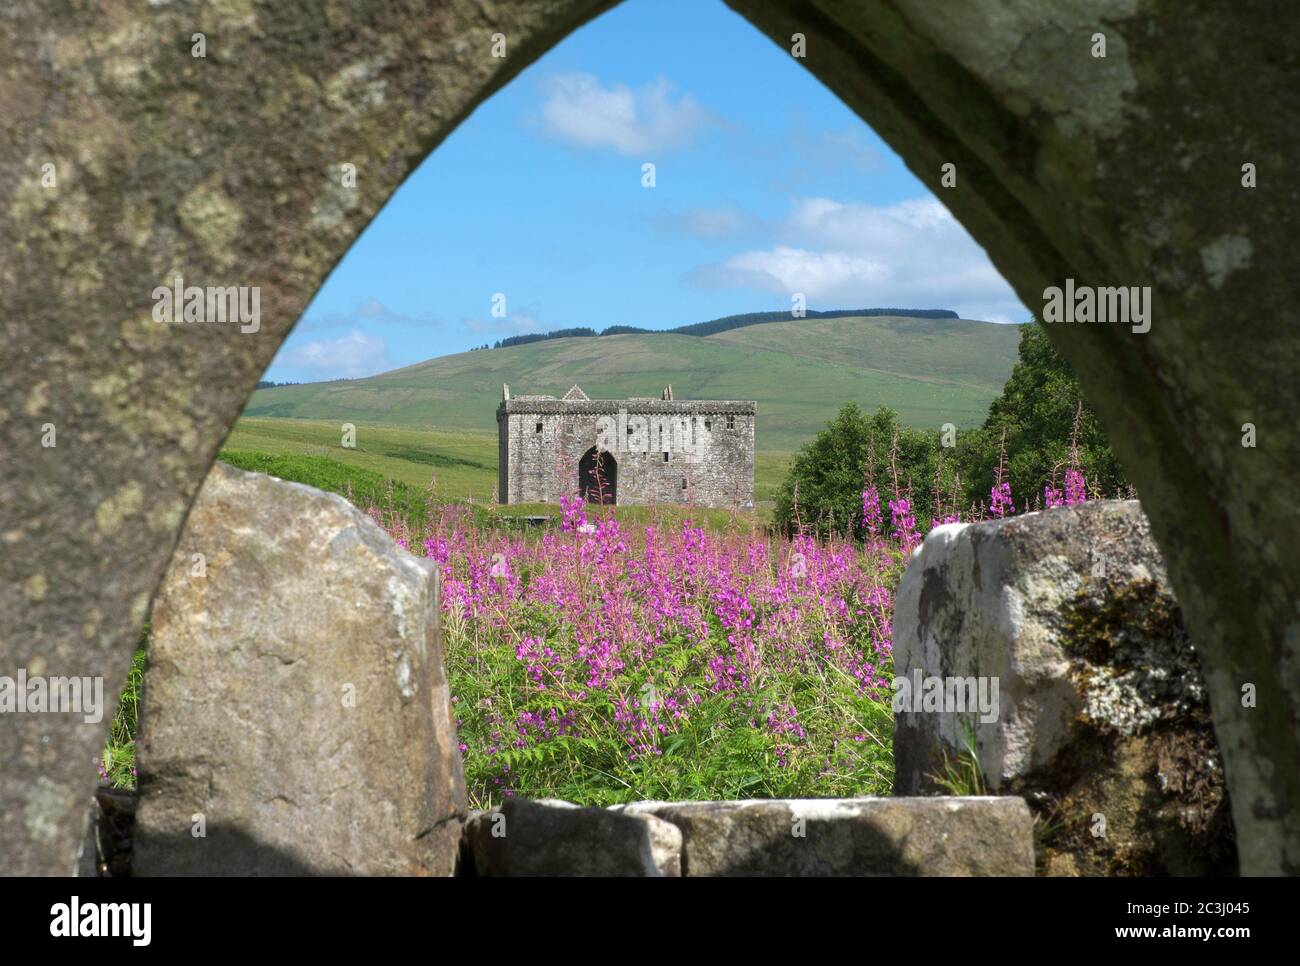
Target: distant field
(932,371)
(463,463)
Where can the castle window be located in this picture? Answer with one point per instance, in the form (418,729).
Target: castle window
(539,428)
(683,482)
(708,425)
(665,457)
(731,422)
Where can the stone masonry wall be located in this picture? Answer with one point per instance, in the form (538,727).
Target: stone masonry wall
(699,453)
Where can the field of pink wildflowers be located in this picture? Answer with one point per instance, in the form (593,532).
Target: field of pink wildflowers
(604,660)
(601,663)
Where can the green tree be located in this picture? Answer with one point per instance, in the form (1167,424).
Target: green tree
(1037,412)
(823,491)
(1041,425)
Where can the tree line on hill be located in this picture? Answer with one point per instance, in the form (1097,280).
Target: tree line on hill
(1039,427)
(758,318)
(722,325)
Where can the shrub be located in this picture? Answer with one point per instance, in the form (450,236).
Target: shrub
(1039,441)
(823,492)
(1044,422)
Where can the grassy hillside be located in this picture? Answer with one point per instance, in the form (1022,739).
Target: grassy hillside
(465,464)
(931,370)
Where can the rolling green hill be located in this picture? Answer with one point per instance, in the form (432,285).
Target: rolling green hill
(932,371)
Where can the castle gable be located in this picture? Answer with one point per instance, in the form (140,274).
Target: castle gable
(575,394)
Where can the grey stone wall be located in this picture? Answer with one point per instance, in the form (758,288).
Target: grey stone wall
(698,453)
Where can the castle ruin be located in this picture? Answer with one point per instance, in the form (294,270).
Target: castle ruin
(626,451)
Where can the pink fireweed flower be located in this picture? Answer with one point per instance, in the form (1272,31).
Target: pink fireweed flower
(539,660)
(1076,488)
(438,549)
(904,524)
(603,541)
(1000,503)
(871,513)
(575,514)
(784,721)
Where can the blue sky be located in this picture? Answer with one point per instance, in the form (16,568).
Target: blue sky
(766,185)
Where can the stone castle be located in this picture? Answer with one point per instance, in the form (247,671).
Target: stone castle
(626,451)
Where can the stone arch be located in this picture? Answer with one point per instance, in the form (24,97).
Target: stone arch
(598,477)
(228,170)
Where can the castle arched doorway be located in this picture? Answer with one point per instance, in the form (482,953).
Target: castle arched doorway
(598,476)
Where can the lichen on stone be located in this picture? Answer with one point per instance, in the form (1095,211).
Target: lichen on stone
(1131,656)
(1145,722)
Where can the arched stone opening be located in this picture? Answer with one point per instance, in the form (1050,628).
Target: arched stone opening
(1068,166)
(598,477)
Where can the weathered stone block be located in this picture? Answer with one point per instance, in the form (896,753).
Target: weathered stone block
(527,838)
(1103,721)
(851,837)
(295,709)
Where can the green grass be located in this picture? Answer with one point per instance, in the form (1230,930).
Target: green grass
(962,773)
(717,754)
(463,464)
(770,471)
(118,759)
(363,487)
(800,372)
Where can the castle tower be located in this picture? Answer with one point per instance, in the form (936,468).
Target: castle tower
(634,451)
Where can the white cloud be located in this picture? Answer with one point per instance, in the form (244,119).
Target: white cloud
(816,274)
(585,113)
(912,254)
(349,357)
